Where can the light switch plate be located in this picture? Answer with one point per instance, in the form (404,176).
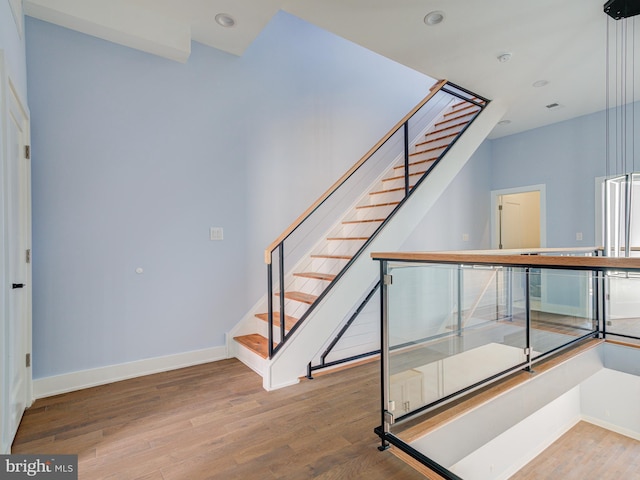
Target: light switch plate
(216,233)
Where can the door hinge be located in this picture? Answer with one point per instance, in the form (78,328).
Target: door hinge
(27,152)
(28,255)
(499,207)
(388,279)
(28,360)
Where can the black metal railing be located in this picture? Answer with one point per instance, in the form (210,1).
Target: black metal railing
(319,220)
(352,358)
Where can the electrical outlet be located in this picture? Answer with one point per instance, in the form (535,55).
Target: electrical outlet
(579,236)
(216,233)
(465,237)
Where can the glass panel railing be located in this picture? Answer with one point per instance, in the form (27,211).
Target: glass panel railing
(623,316)
(450,327)
(454,322)
(564,311)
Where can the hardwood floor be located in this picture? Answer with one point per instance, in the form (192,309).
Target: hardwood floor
(215,421)
(586,452)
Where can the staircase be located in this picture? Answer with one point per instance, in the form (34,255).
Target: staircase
(314,273)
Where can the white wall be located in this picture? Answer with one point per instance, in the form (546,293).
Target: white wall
(508,452)
(611,399)
(135,157)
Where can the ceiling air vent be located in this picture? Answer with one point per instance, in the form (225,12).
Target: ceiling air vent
(553,106)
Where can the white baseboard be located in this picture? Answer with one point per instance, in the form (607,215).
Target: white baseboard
(68,382)
(612,427)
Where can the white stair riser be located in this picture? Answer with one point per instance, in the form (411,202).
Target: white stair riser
(386,197)
(343,247)
(355,230)
(438,143)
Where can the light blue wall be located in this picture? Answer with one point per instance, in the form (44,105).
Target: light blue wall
(566,157)
(463,209)
(135,157)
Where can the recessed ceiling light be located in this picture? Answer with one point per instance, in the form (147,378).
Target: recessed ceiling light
(225,20)
(540,83)
(504,57)
(434,18)
(504,122)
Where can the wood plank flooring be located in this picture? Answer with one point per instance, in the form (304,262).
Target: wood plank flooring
(586,452)
(215,421)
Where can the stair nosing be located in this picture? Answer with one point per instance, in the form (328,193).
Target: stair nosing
(307,298)
(348,238)
(388,204)
(399,177)
(326,255)
(369,220)
(241,339)
(315,276)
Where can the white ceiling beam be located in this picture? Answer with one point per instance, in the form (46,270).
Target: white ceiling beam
(120,22)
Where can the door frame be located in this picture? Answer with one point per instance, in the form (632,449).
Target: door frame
(542,188)
(8,89)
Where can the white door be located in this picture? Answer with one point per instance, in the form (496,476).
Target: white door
(17,335)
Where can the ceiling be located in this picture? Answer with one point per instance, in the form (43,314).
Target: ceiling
(560,41)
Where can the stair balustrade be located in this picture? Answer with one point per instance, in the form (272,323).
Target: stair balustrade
(340,225)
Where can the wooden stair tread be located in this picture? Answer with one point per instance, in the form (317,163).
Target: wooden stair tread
(328,277)
(387,204)
(432,149)
(463,115)
(256,343)
(440,130)
(289,321)
(368,220)
(431,140)
(417,162)
(399,177)
(463,102)
(348,238)
(458,110)
(326,255)
(391,190)
(300,297)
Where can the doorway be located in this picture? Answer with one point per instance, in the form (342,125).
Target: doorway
(15,363)
(518,218)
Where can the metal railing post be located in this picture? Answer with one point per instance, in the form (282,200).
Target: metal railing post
(604,293)
(460,280)
(384,354)
(406,158)
(282,313)
(270,308)
(527,297)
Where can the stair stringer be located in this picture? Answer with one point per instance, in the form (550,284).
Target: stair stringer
(289,363)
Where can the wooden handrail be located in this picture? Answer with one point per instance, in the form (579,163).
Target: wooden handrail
(435,88)
(485,257)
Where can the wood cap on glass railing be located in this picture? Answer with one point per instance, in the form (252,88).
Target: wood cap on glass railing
(435,88)
(541,258)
